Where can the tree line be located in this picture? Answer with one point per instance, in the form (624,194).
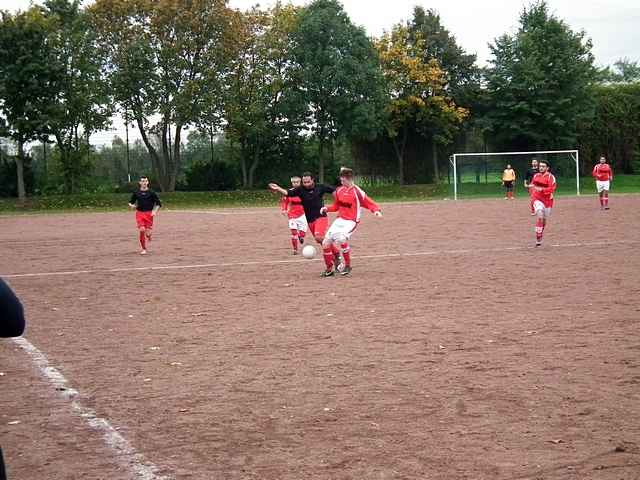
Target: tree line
(224,98)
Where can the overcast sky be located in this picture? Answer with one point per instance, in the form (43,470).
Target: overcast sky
(613,25)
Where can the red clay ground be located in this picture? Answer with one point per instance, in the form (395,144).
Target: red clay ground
(478,357)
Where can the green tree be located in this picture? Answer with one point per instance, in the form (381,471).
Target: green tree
(461,74)
(418,101)
(623,71)
(338,74)
(614,129)
(167,59)
(27,79)
(539,82)
(257,107)
(82,103)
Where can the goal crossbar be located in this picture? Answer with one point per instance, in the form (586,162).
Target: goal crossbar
(575,155)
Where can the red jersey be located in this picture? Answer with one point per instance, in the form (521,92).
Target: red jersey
(349,201)
(602,172)
(547,182)
(293,206)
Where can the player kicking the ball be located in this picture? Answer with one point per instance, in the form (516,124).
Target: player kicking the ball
(349,199)
(293,209)
(542,187)
(147,204)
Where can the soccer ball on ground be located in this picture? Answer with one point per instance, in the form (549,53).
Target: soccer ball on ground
(309,251)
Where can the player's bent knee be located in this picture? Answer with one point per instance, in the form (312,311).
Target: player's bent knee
(341,238)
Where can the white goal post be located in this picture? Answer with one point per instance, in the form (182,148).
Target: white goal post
(453,160)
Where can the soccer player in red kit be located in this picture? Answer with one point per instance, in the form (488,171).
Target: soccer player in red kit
(293,209)
(604,175)
(147,204)
(349,200)
(542,187)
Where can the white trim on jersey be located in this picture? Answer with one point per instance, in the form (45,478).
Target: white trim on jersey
(359,211)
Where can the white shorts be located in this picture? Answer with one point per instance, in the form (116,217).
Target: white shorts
(340,230)
(538,206)
(602,185)
(299,223)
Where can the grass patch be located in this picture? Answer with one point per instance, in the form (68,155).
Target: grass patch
(104,202)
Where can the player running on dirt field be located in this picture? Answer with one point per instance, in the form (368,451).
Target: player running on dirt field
(604,175)
(542,187)
(147,204)
(349,199)
(293,209)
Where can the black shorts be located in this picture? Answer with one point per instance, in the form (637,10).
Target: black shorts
(508,185)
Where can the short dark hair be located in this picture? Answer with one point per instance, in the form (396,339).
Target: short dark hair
(346,172)
(143,176)
(546,162)
(309,174)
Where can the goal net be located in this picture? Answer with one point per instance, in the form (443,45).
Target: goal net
(480,174)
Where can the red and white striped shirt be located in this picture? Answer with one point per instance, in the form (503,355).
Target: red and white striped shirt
(602,172)
(349,201)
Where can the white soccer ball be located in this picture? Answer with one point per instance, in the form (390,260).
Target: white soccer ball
(309,251)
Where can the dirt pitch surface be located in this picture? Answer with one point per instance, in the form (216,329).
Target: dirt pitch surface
(455,350)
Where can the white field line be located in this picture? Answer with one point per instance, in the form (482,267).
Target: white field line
(291,261)
(127,456)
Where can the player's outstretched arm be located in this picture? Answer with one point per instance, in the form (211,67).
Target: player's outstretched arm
(274,187)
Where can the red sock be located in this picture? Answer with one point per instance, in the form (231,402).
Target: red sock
(301,234)
(328,257)
(601,201)
(143,241)
(346,254)
(606,199)
(294,239)
(539,228)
